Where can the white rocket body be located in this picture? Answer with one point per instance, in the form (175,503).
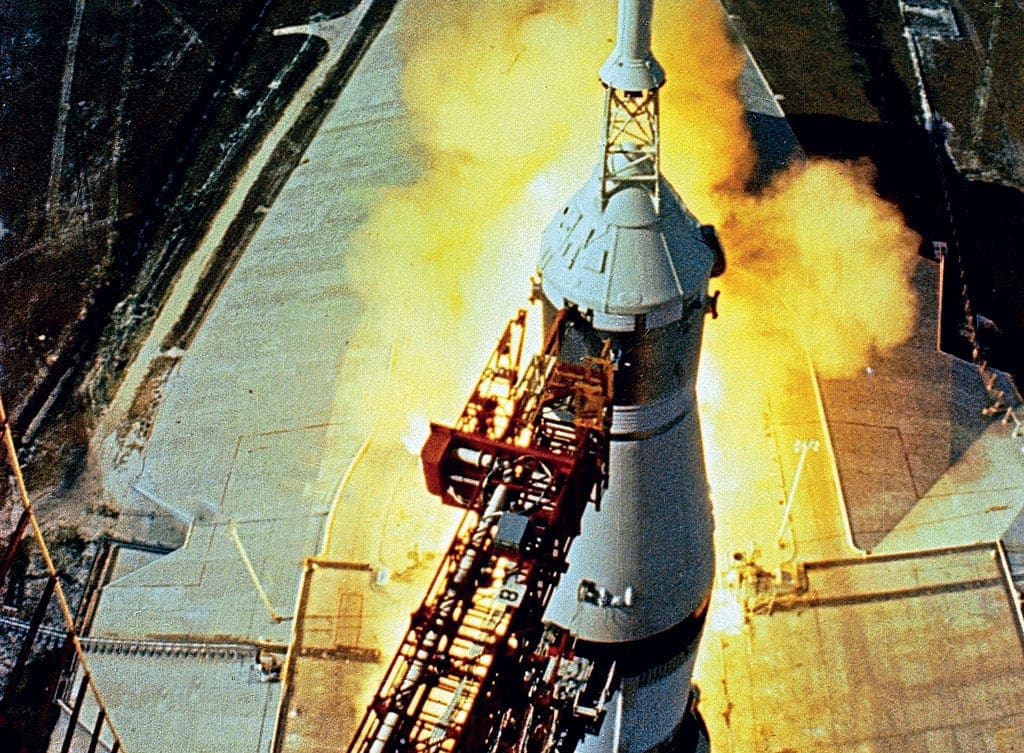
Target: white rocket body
(630,257)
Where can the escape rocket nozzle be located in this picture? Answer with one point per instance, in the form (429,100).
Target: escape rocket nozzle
(631,67)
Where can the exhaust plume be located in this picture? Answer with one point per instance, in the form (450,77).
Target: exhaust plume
(504,105)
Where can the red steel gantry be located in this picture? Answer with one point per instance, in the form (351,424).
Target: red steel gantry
(478,670)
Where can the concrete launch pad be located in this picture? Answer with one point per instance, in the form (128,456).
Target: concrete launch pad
(926,448)
(831,650)
(919,652)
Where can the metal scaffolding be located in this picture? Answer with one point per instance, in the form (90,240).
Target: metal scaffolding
(478,669)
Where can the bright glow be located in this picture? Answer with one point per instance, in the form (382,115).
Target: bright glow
(509,128)
(726,615)
(416,434)
(709,385)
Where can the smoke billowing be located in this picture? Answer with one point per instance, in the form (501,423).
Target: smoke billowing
(506,109)
(835,258)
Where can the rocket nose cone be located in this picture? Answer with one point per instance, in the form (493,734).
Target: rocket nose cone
(631,66)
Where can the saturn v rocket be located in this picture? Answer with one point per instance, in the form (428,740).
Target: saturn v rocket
(627,254)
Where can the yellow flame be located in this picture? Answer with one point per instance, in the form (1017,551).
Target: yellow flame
(506,110)
(447,258)
(706,148)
